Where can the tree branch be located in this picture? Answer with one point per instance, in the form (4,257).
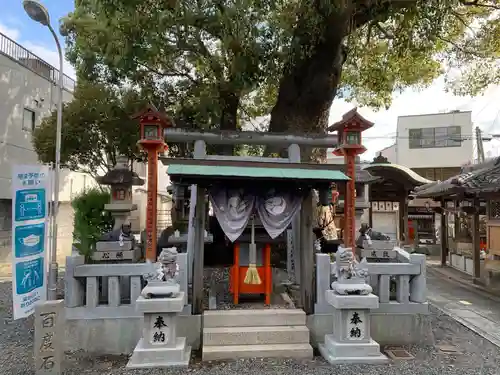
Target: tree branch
(174,73)
(462,21)
(476,3)
(383,31)
(462,49)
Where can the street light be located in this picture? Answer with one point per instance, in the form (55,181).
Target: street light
(37,12)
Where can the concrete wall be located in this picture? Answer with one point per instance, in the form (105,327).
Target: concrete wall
(434,157)
(24,86)
(119,335)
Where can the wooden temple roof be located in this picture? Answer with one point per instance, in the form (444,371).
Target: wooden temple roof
(475,179)
(351,119)
(396,172)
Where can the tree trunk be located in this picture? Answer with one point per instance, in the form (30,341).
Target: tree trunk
(308,88)
(230,102)
(310,82)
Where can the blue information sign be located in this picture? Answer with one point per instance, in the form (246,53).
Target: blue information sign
(30,204)
(29,275)
(30,187)
(29,240)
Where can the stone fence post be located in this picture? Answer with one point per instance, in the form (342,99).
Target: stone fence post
(74,289)
(323,281)
(418,284)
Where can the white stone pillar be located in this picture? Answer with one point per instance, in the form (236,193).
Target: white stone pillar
(351,341)
(159,345)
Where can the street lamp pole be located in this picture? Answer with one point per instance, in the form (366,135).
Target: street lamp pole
(37,12)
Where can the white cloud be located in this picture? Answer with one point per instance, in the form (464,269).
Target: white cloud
(10,32)
(434,99)
(49,54)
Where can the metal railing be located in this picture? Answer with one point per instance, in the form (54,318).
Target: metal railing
(32,62)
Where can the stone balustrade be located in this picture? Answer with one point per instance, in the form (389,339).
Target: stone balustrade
(103,291)
(397,278)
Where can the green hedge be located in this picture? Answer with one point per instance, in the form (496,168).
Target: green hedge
(90,220)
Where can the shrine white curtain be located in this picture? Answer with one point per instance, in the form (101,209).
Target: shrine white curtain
(232,208)
(276,210)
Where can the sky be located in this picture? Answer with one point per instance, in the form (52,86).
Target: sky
(485,108)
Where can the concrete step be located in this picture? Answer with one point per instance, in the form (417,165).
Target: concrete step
(256,335)
(224,352)
(254,318)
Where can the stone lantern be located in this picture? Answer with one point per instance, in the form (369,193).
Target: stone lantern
(120,179)
(119,244)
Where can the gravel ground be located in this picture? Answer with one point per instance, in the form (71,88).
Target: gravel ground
(217,279)
(477,356)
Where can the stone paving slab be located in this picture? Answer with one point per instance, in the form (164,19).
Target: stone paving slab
(466,281)
(476,311)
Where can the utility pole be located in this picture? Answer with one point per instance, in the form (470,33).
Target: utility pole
(479,144)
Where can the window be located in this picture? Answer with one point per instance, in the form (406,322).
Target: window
(427,139)
(455,136)
(29,119)
(415,137)
(445,136)
(353,138)
(150,132)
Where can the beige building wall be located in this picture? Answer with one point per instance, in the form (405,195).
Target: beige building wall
(27,94)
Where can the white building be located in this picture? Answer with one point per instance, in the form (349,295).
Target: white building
(435,146)
(28,93)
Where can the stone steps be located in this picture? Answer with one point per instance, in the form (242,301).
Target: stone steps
(253,318)
(256,335)
(222,352)
(259,333)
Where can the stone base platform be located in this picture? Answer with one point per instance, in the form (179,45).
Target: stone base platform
(151,357)
(339,352)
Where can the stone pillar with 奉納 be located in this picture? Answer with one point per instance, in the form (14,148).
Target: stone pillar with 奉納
(352,301)
(161,302)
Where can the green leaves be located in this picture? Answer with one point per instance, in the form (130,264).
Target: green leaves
(192,53)
(97,127)
(90,219)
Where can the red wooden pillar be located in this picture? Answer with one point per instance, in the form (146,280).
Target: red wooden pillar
(152,125)
(350,200)
(152,201)
(267,272)
(349,145)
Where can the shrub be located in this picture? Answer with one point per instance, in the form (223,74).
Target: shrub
(90,220)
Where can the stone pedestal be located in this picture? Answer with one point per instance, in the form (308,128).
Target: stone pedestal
(351,341)
(120,212)
(114,251)
(159,345)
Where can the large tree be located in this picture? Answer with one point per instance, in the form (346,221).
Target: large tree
(289,58)
(97,127)
(98,124)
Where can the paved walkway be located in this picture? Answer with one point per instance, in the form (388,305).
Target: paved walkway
(471,307)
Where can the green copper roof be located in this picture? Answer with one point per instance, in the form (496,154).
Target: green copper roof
(256,172)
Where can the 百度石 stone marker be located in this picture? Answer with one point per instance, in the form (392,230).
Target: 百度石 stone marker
(49,331)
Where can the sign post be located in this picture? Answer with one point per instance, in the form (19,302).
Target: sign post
(30,184)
